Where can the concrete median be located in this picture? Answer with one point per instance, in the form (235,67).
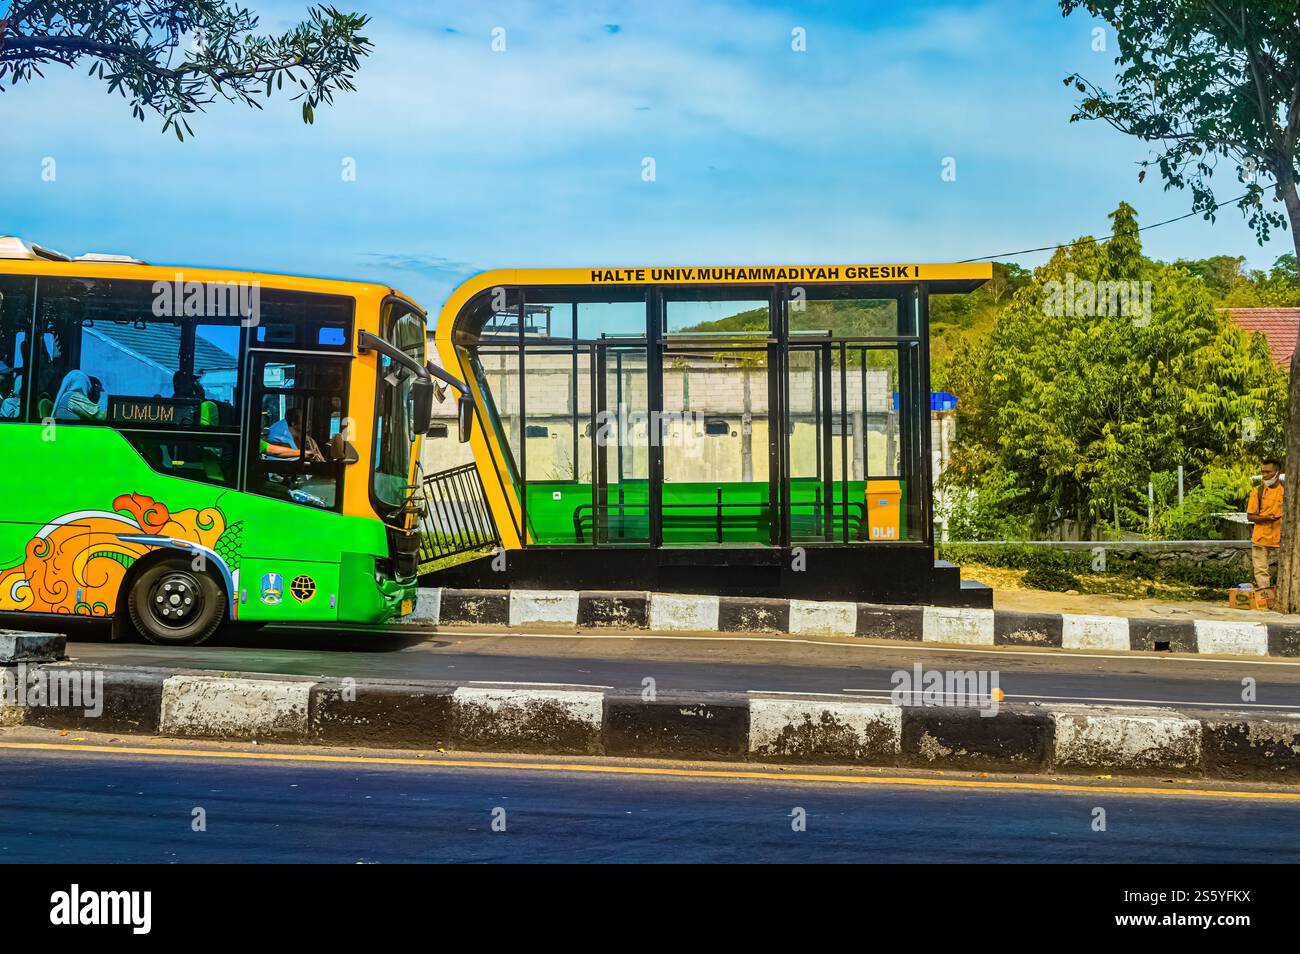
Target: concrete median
(803,729)
(596,611)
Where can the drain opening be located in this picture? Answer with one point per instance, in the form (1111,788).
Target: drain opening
(1162,645)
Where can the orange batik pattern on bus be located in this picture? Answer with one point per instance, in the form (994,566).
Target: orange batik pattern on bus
(76,563)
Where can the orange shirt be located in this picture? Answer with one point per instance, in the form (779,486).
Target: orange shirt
(1267,502)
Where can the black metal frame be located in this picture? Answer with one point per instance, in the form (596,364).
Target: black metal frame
(455,500)
(902,570)
(913,373)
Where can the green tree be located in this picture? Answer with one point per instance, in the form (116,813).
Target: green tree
(1209,82)
(1221,273)
(1080,394)
(174,57)
(955,319)
(1220,489)
(1276,288)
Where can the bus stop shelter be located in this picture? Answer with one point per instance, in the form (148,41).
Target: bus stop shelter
(759,431)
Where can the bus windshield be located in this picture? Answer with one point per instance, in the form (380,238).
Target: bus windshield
(403,327)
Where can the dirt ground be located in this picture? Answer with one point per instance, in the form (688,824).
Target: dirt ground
(1010,594)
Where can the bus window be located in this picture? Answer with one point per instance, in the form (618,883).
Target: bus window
(213,461)
(214,377)
(298,406)
(104,355)
(305,321)
(15,327)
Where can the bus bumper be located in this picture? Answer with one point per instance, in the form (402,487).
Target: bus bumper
(367,596)
(399,599)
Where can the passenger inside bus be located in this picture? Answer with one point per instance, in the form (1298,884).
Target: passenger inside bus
(47,373)
(186,386)
(81,398)
(313,480)
(10,406)
(285,438)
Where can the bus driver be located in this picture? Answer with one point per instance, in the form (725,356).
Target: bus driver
(285,438)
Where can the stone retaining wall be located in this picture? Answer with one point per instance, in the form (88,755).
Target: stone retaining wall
(1162,551)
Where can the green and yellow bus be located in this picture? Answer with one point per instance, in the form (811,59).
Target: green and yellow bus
(185,447)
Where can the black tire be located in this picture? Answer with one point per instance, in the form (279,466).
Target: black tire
(172,604)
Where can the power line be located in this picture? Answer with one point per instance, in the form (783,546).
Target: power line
(1085,241)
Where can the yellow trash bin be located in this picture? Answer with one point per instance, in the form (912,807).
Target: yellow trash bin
(884,500)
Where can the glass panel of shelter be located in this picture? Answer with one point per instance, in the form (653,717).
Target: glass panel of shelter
(717,440)
(809,447)
(576,429)
(622,432)
(852,380)
(582,438)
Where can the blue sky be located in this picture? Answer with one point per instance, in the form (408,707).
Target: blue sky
(468,159)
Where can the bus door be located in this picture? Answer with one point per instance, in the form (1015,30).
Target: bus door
(295,428)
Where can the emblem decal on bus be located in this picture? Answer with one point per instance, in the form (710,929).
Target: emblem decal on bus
(302,588)
(272,589)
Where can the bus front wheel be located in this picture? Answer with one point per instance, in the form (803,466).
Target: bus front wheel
(173,604)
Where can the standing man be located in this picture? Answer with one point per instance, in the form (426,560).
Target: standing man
(1264,510)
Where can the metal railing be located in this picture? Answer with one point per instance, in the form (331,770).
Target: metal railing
(719,516)
(455,517)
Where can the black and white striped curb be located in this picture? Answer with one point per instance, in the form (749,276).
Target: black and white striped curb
(670,612)
(755,727)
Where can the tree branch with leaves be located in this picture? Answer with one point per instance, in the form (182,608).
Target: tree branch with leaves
(175,57)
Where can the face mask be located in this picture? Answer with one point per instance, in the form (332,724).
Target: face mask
(1271,483)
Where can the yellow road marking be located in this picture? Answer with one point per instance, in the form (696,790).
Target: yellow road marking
(992,784)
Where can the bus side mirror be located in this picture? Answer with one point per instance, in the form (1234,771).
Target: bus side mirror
(465,417)
(421,406)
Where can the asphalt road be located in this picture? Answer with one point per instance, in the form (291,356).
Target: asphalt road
(719,663)
(79,807)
